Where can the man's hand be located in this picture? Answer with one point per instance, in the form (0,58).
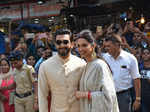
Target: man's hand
(36,107)
(136,105)
(124,43)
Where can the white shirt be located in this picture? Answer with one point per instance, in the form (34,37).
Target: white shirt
(124,69)
(61,78)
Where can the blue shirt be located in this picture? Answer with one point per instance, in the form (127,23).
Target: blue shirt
(2,44)
(37,65)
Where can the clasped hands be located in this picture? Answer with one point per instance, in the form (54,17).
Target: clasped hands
(81,94)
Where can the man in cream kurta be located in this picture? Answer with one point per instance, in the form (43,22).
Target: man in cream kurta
(60,75)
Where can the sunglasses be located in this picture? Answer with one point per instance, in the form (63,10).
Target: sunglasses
(59,42)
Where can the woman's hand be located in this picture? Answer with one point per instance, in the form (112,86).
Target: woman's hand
(80,94)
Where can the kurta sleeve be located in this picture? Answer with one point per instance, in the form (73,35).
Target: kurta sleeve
(104,98)
(43,90)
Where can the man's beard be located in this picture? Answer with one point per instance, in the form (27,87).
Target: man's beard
(64,51)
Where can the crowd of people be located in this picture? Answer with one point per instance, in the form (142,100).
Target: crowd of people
(104,70)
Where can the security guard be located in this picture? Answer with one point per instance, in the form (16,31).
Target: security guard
(24,82)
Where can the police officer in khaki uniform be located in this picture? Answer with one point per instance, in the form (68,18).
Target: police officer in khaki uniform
(24,83)
(24,78)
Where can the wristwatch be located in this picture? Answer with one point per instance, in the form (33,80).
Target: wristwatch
(138,98)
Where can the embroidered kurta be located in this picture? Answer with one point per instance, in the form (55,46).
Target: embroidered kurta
(7,79)
(97,79)
(7,82)
(61,78)
(1,103)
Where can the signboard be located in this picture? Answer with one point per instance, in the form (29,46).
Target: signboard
(44,10)
(14,12)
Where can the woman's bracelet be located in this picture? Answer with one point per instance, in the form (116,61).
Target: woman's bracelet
(89,95)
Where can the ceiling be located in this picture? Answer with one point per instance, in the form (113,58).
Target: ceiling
(11,2)
(141,5)
(111,6)
(144,4)
(116,5)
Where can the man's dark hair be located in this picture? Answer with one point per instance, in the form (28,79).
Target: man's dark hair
(114,38)
(63,32)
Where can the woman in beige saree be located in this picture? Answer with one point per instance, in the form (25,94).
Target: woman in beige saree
(97,92)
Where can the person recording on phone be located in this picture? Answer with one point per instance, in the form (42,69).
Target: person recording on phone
(129,31)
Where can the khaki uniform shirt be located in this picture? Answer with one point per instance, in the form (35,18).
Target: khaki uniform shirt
(61,77)
(24,79)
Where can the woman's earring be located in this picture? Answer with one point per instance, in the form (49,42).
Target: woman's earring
(94,55)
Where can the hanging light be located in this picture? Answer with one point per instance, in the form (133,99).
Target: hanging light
(40,2)
(36,19)
(142,20)
(36,22)
(50,20)
(2,29)
(52,17)
(125,19)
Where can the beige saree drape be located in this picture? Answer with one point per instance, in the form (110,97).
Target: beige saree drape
(97,79)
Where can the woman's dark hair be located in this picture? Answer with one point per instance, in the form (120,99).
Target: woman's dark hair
(5,59)
(87,35)
(30,54)
(63,32)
